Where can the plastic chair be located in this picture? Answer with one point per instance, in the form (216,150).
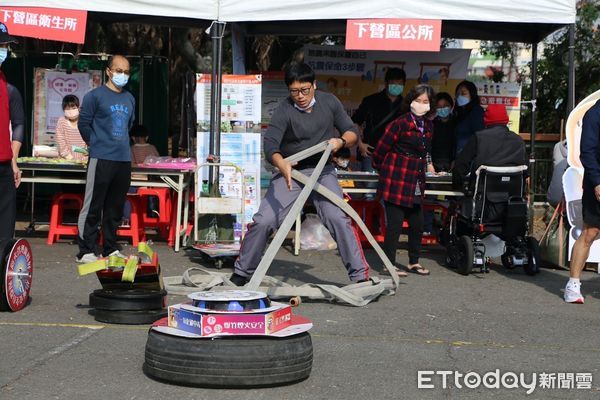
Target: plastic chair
(135,230)
(370,212)
(161,222)
(57,227)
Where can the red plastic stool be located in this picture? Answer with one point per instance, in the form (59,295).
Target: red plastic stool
(370,211)
(165,204)
(135,230)
(57,227)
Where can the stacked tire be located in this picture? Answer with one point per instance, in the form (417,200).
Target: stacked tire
(128,306)
(229,361)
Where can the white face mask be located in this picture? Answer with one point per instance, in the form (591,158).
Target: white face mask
(419,109)
(72,114)
(310,105)
(342,162)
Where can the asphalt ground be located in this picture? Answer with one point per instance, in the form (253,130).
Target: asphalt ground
(503,320)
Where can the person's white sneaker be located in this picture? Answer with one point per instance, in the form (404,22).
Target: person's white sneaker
(87,258)
(117,253)
(573,293)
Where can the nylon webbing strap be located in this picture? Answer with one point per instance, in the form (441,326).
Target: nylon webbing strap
(130,269)
(357,294)
(289,220)
(110,262)
(331,196)
(145,252)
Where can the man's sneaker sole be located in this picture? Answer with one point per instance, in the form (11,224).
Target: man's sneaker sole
(83,260)
(576,301)
(573,296)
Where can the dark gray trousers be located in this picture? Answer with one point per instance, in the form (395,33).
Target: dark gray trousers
(275,207)
(8,201)
(105,194)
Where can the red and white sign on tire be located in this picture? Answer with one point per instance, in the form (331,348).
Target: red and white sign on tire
(16,271)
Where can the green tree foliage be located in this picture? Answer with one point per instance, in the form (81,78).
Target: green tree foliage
(553,71)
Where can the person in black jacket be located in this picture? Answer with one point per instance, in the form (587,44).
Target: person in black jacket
(376,111)
(443,142)
(494,146)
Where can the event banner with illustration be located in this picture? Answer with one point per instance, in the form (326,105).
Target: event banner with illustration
(352,75)
(240,134)
(507,93)
(50,87)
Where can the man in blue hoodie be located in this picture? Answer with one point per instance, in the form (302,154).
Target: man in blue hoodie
(107,114)
(589,149)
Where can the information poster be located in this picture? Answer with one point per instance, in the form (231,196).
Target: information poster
(240,135)
(352,75)
(50,87)
(507,93)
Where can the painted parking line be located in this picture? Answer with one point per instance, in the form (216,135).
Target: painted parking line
(80,326)
(461,343)
(422,341)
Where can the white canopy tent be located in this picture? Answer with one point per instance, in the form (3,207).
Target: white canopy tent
(516,11)
(527,21)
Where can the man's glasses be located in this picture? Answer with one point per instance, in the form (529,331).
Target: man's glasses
(305,91)
(121,71)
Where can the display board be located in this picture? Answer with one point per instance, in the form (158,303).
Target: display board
(507,93)
(240,134)
(50,86)
(352,75)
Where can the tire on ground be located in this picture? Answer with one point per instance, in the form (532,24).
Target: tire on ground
(231,362)
(465,263)
(129,317)
(127,300)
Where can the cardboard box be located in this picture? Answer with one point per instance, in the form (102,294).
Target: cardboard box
(222,323)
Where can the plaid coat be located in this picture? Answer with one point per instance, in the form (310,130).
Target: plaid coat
(401,159)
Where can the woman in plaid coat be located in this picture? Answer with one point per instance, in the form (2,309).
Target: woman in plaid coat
(402,157)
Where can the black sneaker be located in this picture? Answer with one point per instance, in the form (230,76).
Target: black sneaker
(238,280)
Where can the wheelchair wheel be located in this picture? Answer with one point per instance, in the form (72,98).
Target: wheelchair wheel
(533,257)
(464,263)
(444,237)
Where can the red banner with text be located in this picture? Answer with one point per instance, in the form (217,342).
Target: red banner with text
(393,34)
(45,23)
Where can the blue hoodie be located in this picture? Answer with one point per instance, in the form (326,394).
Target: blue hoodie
(104,122)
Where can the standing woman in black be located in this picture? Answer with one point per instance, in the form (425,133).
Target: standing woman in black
(469,114)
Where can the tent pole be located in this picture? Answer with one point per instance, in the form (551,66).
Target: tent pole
(571,83)
(216,33)
(534,65)
(141,99)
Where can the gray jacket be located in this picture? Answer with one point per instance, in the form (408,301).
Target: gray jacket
(555,190)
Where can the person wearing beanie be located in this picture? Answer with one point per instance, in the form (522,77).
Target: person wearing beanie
(11,116)
(494,146)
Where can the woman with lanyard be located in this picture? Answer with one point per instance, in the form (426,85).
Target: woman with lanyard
(402,157)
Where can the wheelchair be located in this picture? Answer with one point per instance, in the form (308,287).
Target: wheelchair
(494,205)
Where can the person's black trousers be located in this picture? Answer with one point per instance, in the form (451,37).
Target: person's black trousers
(105,194)
(395,217)
(8,201)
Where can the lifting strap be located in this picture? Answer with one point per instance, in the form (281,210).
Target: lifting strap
(356,294)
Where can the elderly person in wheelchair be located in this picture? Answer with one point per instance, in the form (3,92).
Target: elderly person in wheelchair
(492,172)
